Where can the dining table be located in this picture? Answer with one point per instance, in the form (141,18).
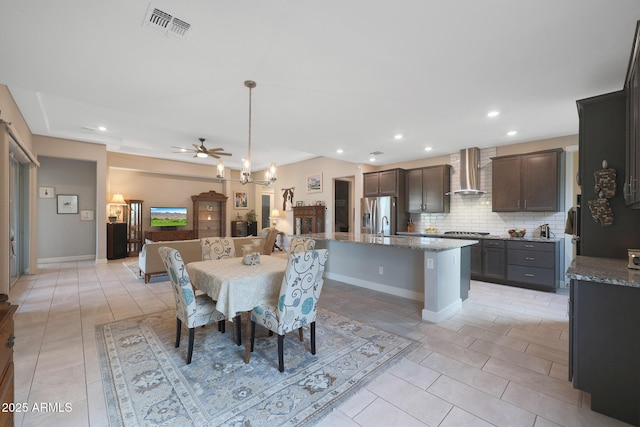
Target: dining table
(237,287)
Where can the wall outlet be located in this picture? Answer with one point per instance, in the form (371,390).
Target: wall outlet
(430,264)
(380,270)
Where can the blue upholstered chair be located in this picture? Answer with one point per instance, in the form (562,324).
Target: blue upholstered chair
(217,248)
(194,310)
(301,244)
(298,301)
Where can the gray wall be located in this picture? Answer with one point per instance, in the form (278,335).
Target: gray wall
(65,235)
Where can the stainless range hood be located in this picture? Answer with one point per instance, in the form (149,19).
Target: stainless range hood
(469,171)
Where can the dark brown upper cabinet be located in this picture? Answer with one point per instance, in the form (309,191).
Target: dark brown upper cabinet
(631,186)
(427,189)
(528,182)
(384,183)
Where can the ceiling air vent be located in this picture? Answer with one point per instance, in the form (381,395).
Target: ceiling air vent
(166,23)
(376,153)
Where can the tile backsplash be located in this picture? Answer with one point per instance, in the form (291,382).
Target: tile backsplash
(473,212)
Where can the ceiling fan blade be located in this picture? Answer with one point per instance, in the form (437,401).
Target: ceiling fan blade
(220,153)
(214,155)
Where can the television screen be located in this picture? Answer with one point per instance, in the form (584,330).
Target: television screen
(168,217)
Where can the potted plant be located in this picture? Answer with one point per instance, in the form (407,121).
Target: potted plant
(251,216)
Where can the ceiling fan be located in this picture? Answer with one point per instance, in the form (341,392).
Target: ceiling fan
(202,151)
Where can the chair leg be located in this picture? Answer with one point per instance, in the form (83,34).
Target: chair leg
(238,323)
(223,325)
(300,334)
(253,333)
(192,332)
(281,353)
(270,333)
(313,337)
(178,330)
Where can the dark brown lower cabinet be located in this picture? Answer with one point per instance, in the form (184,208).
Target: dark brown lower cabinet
(604,347)
(493,259)
(117,240)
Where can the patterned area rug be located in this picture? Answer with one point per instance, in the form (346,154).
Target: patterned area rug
(148,383)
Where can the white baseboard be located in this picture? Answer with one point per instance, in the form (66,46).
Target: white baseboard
(437,317)
(67,259)
(375,286)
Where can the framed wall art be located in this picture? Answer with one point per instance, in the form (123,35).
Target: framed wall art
(241,200)
(46,192)
(67,203)
(314,183)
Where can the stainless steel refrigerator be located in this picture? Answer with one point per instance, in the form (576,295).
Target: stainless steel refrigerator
(379,215)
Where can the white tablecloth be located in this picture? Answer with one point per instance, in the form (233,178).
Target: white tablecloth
(238,287)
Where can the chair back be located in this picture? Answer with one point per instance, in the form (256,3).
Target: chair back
(301,286)
(183,290)
(217,248)
(269,241)
(301,244)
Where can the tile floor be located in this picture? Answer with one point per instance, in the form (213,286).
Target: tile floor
(501,360)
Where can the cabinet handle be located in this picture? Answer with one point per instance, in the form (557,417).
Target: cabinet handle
(525,203)
(518,204)
(11,341)
(528,258)
(530,275)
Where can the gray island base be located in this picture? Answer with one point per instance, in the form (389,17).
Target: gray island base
(433,270)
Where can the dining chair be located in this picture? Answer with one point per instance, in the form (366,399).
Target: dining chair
(301,244)
(194,310)
(297,303)
(269,240)
(217,248)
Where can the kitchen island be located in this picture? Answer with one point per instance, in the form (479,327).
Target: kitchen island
(433,270)
(604,335)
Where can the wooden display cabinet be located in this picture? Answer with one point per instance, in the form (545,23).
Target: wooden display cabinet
(133,218)
(7,338)
(209,215)
(311,218)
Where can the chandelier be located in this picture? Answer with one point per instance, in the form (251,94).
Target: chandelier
(270,175)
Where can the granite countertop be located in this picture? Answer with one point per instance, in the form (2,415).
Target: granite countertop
(483,237)
(612,271)
(415,242)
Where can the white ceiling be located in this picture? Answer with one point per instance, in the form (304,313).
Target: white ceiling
(330,74)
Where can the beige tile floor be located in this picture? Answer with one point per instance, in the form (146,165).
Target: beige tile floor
(501,360)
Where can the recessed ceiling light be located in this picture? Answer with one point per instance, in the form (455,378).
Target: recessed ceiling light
(397,136)
(512,133)
(339,151)
(372,159)
(428,148)
(493,113)
(102,128)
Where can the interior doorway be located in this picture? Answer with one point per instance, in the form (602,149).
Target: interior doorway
(342,191)
(267,203)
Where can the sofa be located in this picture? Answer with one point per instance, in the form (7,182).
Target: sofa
(150,263)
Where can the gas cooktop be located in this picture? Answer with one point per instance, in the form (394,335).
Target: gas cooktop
(467,233)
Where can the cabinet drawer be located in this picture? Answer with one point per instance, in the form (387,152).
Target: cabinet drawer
(533,275)
(531,258)
(493,243)
(531,246)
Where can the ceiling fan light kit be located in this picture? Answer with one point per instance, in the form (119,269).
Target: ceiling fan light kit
(271,174)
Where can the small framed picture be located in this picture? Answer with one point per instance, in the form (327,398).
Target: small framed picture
(67,203)
(241,200)
(299,203)
(46,192)
(314,183)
